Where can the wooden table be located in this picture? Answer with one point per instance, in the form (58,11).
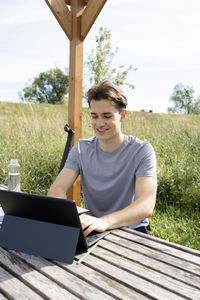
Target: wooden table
(126,265)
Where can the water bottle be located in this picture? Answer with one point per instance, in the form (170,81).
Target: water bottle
(14,175)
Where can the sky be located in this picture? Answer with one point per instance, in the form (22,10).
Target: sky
(159,38)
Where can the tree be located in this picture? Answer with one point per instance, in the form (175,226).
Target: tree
(196,107)
(99,62)
(184,100)
(49,87)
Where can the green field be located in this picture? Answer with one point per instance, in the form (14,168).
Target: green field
(34,134)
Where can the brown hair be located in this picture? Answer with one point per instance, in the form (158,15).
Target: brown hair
(106,90)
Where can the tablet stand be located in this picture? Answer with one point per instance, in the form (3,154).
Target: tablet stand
(53,241)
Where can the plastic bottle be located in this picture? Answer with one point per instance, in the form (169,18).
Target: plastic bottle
(14,175)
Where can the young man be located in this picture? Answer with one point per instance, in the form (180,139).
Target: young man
(118,172)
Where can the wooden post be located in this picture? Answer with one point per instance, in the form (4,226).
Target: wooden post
(75,84)
(76,24)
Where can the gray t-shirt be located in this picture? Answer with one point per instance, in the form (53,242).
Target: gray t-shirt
(108,179)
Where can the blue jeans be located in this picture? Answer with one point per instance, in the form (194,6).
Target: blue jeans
(144,229)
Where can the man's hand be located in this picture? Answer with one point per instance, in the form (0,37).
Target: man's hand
(90,223)
(135,212)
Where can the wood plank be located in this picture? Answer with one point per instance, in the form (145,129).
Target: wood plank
(3,187)
(107,284)
(164,242)
(155,253)
(32,278)
(151,271)
(153,259)
(90,14)
(14,288)
(169,248)
(62,15)
(157,278)
(128,278)
(2,297)
(66,278)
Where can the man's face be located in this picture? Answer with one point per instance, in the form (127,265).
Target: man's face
(106,119)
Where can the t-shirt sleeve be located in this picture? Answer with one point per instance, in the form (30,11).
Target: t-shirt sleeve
(73,160)
(147,162)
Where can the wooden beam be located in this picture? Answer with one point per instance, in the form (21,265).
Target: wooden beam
(90,14)
(75,84)
(76,24)
(62,15)
(68,2)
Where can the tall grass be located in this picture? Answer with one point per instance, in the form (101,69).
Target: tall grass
(34,134)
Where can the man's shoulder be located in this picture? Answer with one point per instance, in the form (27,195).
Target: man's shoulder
(86,144)
(133,140)
(89,141)
(137,145)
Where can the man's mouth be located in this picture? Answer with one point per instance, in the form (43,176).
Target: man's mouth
(100,130)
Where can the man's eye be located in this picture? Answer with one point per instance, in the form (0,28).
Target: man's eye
(107,117)
(93,117)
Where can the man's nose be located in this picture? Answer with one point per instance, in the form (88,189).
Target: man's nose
(100,122)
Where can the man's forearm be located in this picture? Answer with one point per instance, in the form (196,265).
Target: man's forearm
(62,184)
(130,215)
(57,192)
(145,192)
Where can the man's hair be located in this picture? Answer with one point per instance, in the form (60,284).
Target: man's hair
(106,90)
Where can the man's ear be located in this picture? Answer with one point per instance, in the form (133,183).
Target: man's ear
(123,114)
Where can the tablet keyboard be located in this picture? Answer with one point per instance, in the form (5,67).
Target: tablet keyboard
(95,236)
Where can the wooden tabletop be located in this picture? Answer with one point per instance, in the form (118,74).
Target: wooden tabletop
(125,265)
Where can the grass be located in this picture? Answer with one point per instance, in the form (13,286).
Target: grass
(34,134)
(176,226)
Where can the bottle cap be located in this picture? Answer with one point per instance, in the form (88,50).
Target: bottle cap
(14,161)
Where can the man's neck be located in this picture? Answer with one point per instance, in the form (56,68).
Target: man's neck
(111,145)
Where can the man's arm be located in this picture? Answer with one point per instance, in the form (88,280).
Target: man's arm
(62,184)
(145,191)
